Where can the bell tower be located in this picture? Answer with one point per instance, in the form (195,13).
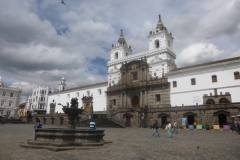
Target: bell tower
(121,49)
(160,38)
(62,85)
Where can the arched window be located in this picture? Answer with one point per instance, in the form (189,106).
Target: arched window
(157,44)
(210,101)
(116,55)
(223,100)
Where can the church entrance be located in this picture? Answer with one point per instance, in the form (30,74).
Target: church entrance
(135,101)
(87,108)
(190,119)
(164,121)
(222,119)
(128,121)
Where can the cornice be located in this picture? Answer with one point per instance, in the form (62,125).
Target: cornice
(204,66)
(142,55)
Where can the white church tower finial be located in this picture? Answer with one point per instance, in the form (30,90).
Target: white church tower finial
(121,49)
(62,84)
(160,38)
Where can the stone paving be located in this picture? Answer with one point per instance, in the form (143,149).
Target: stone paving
(128,143)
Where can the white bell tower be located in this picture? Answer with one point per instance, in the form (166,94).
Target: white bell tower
(160,38)
(62,85)
(121,49)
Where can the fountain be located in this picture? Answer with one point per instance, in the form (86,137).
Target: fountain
(59,139)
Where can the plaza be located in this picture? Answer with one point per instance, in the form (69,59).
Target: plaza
(128,143)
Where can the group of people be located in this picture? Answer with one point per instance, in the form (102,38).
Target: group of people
(168,127)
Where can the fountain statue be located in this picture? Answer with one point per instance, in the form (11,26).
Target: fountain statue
(59,139)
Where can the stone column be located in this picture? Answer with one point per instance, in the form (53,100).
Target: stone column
(141,98)
(121,101)
(145,97)
(125,100)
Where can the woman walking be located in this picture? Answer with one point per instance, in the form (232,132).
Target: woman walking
(169,126)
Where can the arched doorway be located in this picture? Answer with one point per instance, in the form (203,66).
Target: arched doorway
(87,108)
(164,121)
(190,119)
(135,101)
(222,119)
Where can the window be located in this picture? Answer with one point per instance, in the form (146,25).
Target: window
(174,83)
(223,100)
(4,94)
(99,92)
(193,81)
(11,94)
(210,101)
(116,55)
(2,103)
(135,76)
(1,111)
(236,75)
(157,44)
(10,104)
(114,101)
(41,98)
(214,78)
(126,54)
(169,43)
(158,97)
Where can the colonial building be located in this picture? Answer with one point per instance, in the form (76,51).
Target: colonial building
(37,102)
(148,85)
(10,97)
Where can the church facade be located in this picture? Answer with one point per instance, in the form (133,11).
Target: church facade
(148,85)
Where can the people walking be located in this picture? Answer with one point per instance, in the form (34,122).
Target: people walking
(92,125)
(169,126)
(36,126)
(155,128)
(175,127)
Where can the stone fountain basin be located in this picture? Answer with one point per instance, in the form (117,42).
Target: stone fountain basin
(58,139)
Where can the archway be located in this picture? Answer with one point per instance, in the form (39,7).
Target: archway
(164,121)
(87,108)
(135,101)
(223,100)
(190,119)
(222,119)
(210,101)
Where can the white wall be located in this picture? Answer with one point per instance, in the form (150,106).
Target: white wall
(99,101)
(188,94)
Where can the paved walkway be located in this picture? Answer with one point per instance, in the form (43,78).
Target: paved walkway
(128,143)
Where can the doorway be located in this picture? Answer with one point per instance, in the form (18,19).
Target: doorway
(128,121)
(222,119)
(164,121)
(190,119)
(135,101)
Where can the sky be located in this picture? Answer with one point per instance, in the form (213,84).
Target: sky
(43,40)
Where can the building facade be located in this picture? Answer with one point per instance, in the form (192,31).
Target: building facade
(148,85)
(37,102)
(10,97)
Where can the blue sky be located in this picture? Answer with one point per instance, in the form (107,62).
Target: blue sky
(42,40)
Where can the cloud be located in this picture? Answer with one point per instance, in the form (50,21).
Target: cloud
(198,53)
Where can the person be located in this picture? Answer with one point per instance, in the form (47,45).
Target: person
(2,121)
(175,127)
(36,126)
(238,126)
(155,128)
(92,125)
(169,126)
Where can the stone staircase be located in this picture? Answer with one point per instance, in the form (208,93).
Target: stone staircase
(101,122)
(14,121)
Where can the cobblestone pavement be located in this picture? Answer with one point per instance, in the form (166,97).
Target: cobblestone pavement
(128,143)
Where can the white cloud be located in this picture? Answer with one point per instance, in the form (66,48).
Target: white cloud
(198,53)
